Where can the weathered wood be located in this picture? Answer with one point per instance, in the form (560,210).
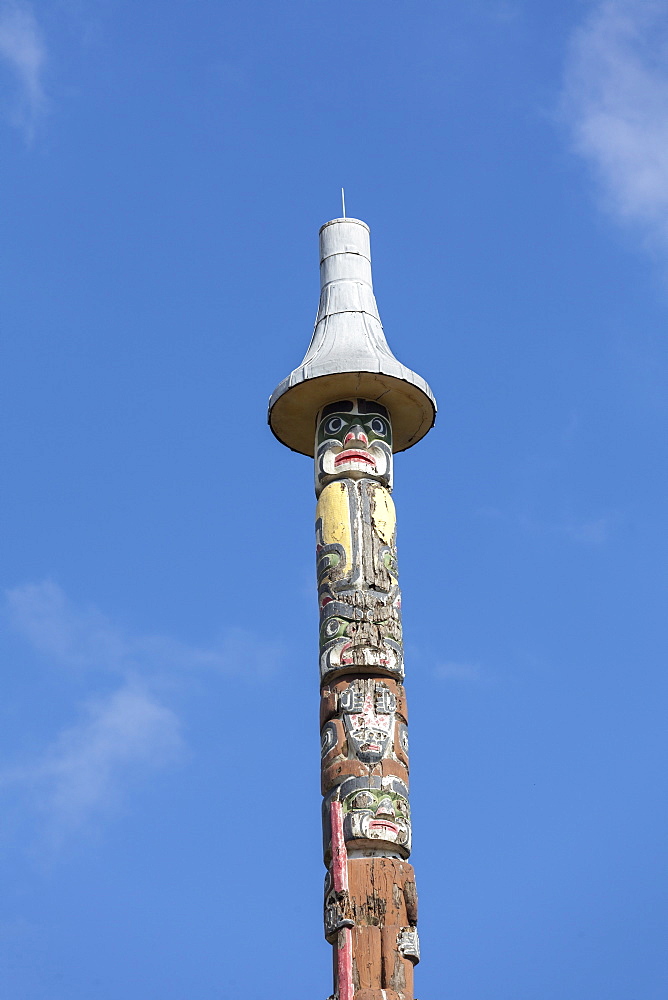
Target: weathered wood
(382,896)
(382,902)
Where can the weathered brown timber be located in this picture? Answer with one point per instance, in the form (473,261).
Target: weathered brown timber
(382,903)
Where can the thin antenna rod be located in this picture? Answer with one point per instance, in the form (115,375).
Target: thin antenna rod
(343,202)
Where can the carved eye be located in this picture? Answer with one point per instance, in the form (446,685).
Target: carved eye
(333,425)
(362,800)
(332,627)
(378,427)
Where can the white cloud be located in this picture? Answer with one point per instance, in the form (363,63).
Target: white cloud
(82,775)
(85,638)
(615,100)
(86,769)
(80,637)
(23,51)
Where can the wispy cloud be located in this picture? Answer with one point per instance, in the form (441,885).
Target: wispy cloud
(458,672)
(595,531)
(83,637)
(84,772)
(23,51)
(587,531)
(615,100)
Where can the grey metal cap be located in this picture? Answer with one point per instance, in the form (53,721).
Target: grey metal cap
(348,355)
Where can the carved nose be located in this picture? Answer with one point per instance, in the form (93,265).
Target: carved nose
(385,808)
(356,434)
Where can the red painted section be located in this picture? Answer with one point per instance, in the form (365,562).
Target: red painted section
(344,964)
(339,852)
(344,948)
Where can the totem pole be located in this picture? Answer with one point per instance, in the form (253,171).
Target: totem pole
(352,405)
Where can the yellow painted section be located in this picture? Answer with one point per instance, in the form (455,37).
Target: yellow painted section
(384,515)
(334,509)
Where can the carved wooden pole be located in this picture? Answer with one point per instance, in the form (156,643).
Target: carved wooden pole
(351,405)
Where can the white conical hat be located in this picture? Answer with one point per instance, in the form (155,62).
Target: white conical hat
(348,355)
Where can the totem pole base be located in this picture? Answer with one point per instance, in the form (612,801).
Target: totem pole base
(382,995)
(377,995)
(372,947)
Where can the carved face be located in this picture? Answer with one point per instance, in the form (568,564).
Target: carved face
(369,721)
(377,814)
(353,440)
(349,640)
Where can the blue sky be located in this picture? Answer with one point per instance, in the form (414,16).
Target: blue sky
(165,168)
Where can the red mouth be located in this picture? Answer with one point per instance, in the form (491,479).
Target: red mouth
(353,456)
(376,824)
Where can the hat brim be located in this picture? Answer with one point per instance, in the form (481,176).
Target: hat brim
(293,409)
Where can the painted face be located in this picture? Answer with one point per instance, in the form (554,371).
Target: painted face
(369,729)
(350,637)
(353,440)
(376,813)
